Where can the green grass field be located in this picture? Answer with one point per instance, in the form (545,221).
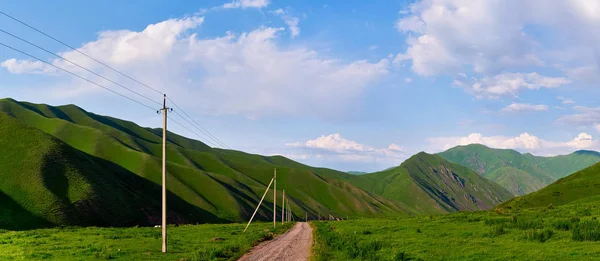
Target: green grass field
(569,232)
(189,242)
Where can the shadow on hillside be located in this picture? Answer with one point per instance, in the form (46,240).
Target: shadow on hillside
(15,217)
(115,197)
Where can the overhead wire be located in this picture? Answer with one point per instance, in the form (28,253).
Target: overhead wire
(202,129)
(196,125)
(76,75)
(76,64)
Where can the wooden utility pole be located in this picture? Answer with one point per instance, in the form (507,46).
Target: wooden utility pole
(275,198)
(283,208)
(261,200)
(164,176)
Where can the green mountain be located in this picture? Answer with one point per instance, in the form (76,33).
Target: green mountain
(519,173)
(65,166)
(45,181)
(216,184)
(582,186)
(356,172)
(430,184)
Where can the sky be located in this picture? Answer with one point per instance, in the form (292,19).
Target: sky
(350,85)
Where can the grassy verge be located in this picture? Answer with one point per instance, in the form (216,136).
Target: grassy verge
(190,242)
(562,233)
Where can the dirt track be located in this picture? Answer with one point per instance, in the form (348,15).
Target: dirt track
(293,245)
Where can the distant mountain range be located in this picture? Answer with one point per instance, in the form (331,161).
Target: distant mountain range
(517,172)
(65,166)
(356,172)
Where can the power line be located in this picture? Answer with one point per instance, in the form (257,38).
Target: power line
(218,144)
(181,125)
(201,129)
(76,50)
(88,70)
(76,75)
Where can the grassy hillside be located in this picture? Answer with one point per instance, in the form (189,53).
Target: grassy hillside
(224,184)
(430,184)
(519,173)
(582,186)
(47,182)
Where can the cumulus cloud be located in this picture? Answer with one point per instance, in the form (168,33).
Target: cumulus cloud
(522,107)
(507,84)
(291,21)
(247,4)
(487,38)
(525,142)
(335,147)
(20,67)
(245,74)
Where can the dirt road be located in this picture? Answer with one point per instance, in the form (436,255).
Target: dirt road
(294,245)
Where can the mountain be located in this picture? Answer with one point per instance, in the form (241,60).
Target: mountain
(430,184)
(582,186)
(519,173)
(45,181)
(120,162)
(356,172)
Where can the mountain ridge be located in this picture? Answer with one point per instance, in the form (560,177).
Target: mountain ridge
(540,171)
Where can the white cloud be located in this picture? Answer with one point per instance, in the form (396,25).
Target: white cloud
(247,4)
(20,67)
(291,21)
(597,127)
(565,100)
(408,80)
(247,74)
(522,107)
(491,36)
(335,147)
(584,116)
(525,142)
(373,47)
(486,38)
(508,84)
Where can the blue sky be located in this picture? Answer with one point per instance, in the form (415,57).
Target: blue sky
(351,85)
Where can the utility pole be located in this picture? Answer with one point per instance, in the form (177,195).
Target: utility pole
(275,198)
(283,208)
(164,176)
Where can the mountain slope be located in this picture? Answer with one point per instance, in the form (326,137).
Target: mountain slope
(582,186)
(430,184)
(47,182)
(519,173)
(224,183)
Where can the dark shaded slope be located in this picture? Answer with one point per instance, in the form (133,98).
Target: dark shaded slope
(47,182)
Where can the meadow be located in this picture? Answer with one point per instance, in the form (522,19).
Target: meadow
(569,232)
(187,242)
